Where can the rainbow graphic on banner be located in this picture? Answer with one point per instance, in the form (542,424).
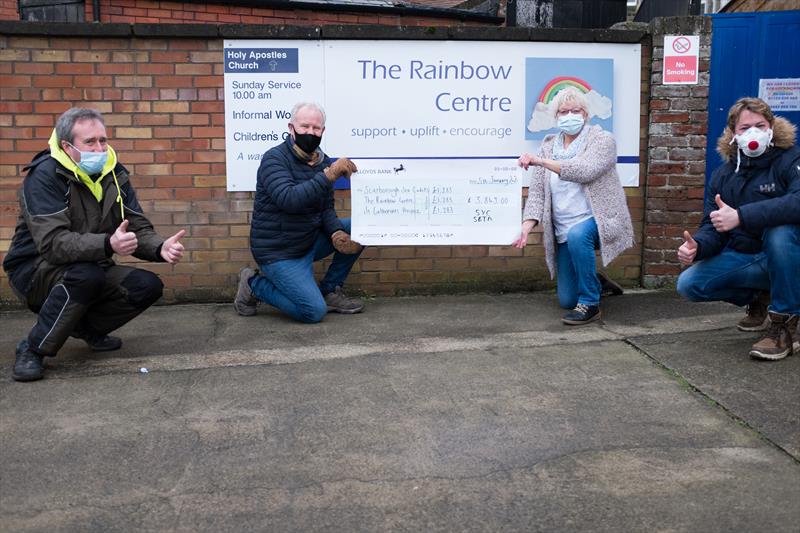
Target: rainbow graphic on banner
(545,77)
(562,82)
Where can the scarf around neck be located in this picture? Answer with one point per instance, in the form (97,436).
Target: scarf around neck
(560,153)
(311,159)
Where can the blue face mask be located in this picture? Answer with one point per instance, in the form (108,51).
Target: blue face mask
(91,162)
(571,123)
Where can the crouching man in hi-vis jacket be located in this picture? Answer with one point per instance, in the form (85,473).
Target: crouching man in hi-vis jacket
(78,209)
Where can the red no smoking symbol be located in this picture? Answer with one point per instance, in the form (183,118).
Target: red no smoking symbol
(681,45)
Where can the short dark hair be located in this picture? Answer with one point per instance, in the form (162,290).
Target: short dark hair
(66,122)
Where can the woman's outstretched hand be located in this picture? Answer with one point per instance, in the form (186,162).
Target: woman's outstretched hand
(522,240)
(526,160)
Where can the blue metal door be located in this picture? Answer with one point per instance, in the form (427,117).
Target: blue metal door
(745,48)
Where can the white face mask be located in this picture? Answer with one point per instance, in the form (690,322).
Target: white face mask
(754,141)
(91,162)
(571,123)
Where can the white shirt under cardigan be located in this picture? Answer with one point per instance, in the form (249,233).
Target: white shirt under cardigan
(570,206)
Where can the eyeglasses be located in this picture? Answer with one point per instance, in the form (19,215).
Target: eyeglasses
(576,110)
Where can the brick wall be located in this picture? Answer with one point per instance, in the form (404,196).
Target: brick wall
(677,126)
(163,102)
(153,11)
(146,11)
(8,10)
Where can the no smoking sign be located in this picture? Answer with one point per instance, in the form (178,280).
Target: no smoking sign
(681,45)
(681,59)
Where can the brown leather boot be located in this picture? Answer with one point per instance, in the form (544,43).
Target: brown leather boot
(777,343)
(756,318)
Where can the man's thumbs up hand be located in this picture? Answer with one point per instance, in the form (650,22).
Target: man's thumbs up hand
(725,218)
(172,249)
(687,250)
(124,242)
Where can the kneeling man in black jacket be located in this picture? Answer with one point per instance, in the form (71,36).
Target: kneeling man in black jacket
(294,224)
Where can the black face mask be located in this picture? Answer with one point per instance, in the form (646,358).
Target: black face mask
(307,142)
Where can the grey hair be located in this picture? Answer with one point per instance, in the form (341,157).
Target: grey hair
(568,95)
(311,105)
(66,122)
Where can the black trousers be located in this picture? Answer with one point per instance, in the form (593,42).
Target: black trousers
(86,299)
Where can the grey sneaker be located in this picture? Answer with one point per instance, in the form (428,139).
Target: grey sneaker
(245,302)
(582,314)
(339,302)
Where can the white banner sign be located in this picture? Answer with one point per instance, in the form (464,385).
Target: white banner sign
(444,111)
(263,80)
(485,102)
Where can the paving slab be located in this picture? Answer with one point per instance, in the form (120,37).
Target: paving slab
(457,413)
(186,337)
(586,437)
(766,395)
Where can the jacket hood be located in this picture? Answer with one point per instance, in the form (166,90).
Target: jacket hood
(57,153)
(783,136)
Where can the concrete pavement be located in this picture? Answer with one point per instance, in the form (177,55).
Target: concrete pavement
(448,413)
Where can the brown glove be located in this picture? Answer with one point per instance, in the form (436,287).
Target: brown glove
(340,167)
(344,244)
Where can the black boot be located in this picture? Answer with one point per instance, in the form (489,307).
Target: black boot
(757,318)
(608,287)
(99,343)
(28,365)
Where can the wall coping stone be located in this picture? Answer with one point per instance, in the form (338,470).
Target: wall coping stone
(174,30)
(267,31)
(688,25)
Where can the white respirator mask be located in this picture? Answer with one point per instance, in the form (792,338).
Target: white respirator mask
(752,142)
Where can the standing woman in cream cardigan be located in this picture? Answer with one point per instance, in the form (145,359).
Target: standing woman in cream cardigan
(576,195)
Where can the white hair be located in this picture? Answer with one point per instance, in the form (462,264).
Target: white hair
(310,105)
(569,95)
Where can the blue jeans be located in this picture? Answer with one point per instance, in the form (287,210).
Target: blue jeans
(289,285)
(737,278)
(577,280)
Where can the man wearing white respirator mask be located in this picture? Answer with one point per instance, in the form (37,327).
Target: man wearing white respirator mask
(747,250)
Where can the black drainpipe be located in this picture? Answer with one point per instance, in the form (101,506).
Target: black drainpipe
(96,10)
